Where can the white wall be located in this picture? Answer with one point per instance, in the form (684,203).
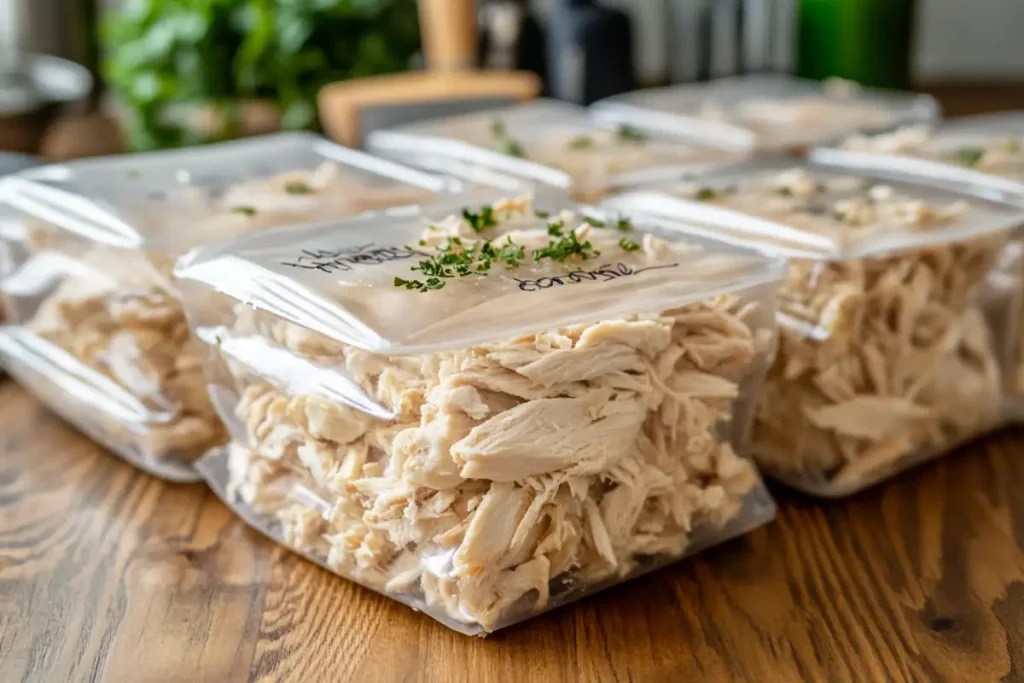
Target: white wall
(970,39)
(956,39)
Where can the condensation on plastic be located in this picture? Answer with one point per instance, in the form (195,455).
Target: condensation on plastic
(561,147)
(329,396)
(888,342)
(94,323)
(737,112)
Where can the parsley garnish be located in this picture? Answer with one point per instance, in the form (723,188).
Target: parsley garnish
(298,187)
(627,133)
(480,221)
(969,156)
(566,246)
(705,194)
(593,222)
(510,253)
(783,191)
(555,229)
(454,259)
(581,142)
(628,245)
(244,210)
(541,214)
(623,225)
(510,147)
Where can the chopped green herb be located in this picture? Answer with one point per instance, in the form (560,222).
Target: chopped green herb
(628,245)
(218,340)
(783,191)
(839,216)
(511,254)
(423,243)
(581,142)
(705,194)
(455,259)
(627,133)
(511,148)
(298,187)
(498,129)
(969,156)
(623,225)
(480,221)
(565,247)
(593,222)
(541,214)
(555,229)
(244,210)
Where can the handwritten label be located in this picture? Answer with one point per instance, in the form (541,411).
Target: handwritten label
(350,258)
(604,273)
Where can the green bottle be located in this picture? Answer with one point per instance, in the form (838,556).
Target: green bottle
(867,41)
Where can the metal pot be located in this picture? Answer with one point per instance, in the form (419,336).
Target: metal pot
(32,90)
(40,43)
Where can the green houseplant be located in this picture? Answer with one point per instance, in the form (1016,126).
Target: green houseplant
(167,55)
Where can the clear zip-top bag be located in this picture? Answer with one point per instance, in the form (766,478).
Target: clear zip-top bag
(489,414)
(766,113)
(94,324)
(543,142)
(886,356)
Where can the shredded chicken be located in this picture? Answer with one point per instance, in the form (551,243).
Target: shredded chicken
(882,360)
(996,154)
(513,471)
(118,312)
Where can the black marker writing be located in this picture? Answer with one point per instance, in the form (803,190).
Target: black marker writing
(350,258)
(604,273)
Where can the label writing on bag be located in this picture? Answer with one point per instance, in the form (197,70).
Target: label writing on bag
(604,273)
(350,258)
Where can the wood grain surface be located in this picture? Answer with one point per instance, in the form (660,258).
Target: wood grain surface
(107,574)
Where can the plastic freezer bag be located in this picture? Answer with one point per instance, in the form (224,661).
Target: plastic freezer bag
(766,113)
(989,144)
(544,141)
(886,357)
(489,415)
(87,277)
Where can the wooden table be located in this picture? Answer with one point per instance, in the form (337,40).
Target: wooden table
(109,574)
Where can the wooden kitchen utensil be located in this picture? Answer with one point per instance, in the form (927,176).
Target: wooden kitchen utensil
(351,109)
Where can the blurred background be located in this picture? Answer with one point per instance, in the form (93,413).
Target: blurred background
(85,77)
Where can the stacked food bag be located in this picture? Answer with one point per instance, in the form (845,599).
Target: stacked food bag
(548,143)
(488,403)
(487,414)
(992,145)
(95,327)
(766,113)
(886,357)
